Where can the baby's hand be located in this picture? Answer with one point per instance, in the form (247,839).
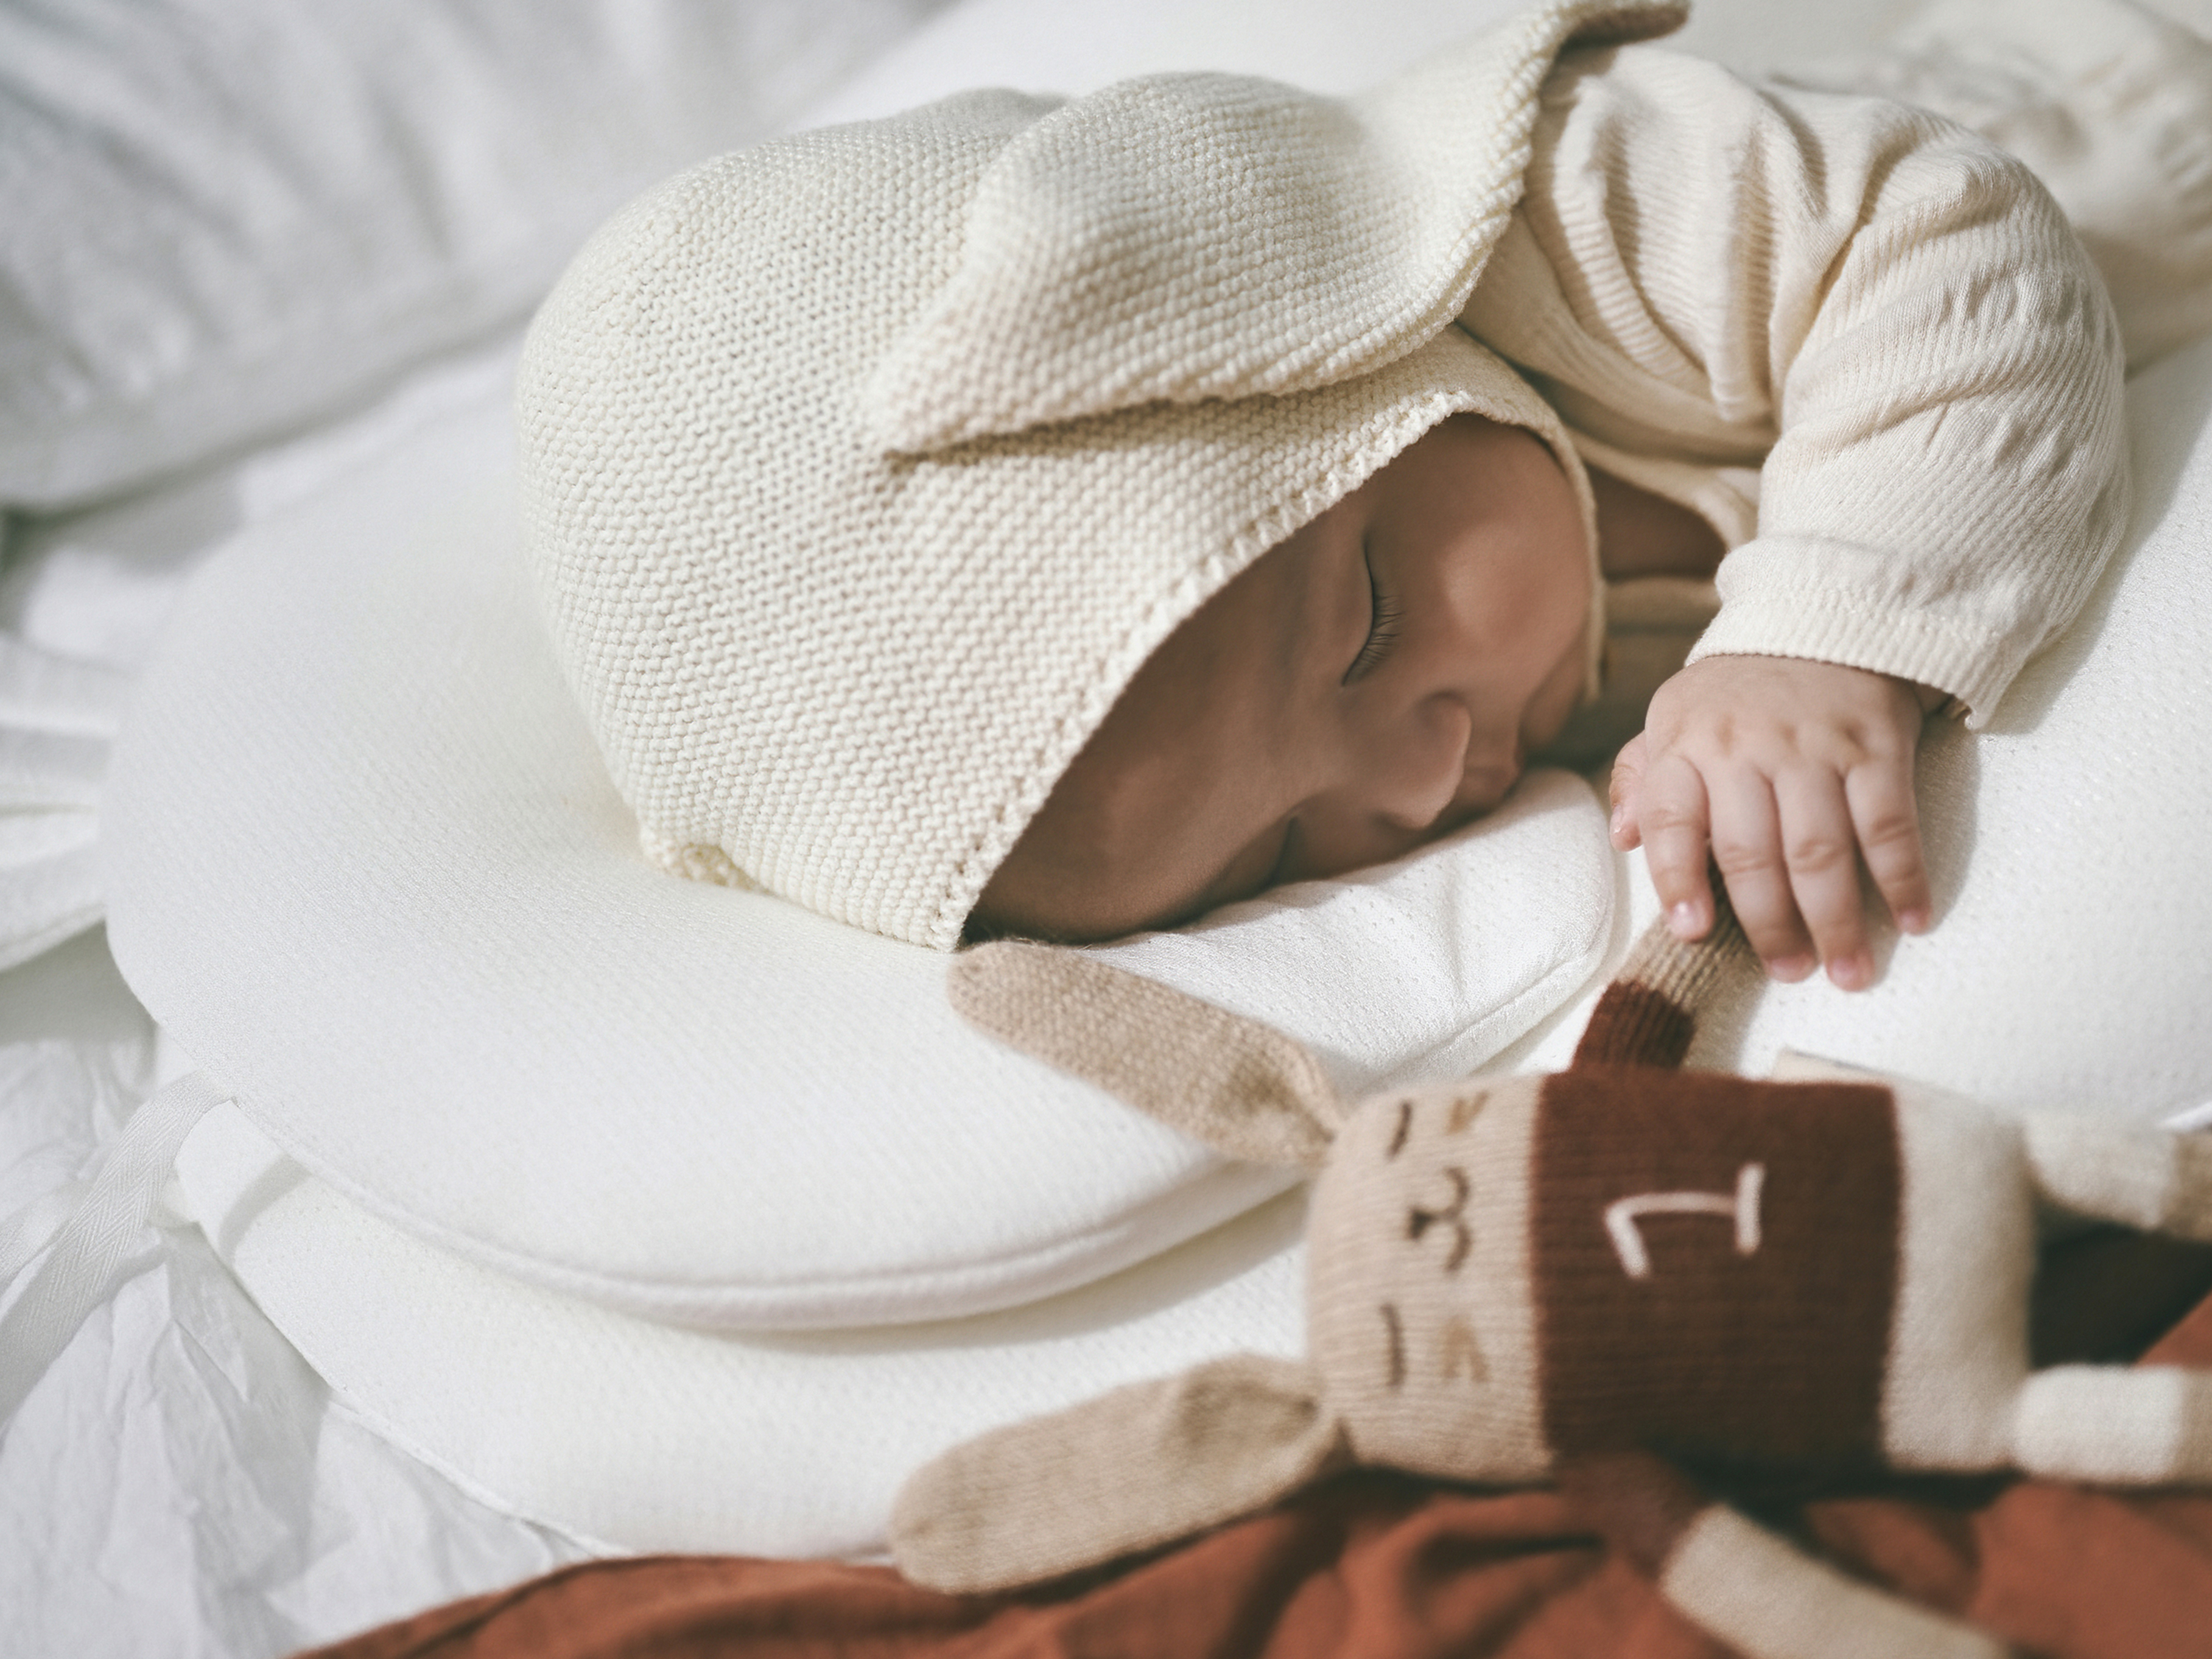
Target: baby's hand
(1793,772)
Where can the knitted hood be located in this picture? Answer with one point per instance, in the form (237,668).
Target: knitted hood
(862,470)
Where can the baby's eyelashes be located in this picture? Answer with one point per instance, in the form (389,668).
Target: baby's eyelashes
(1384,615)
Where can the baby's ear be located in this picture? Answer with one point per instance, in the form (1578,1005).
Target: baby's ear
(1240,1086)
(1132,1470)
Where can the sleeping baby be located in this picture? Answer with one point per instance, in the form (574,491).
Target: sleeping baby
(1063,517)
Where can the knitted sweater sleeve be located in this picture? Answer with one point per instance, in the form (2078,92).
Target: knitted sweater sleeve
(1872,330)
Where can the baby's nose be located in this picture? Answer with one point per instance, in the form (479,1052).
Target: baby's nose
(1416,773)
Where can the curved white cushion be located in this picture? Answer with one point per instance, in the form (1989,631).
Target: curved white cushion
(362,860)
(2070,966)
(641,1436)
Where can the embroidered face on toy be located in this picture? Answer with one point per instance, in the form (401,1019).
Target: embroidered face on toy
(1420,1319)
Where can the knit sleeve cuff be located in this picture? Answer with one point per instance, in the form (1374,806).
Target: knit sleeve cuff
(1970,657)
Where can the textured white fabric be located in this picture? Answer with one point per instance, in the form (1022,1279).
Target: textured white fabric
(2109,102)
(363,858)
(225,217)
(643,1436)
(180,1483)
(2069,968)
(88,1254)
(850,676)
(1212,236)
(56,719)
(1430,956)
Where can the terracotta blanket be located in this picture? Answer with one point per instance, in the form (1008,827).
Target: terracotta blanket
(1376,1566)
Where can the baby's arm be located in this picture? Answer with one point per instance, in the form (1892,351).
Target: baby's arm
(1893,323)
(1792,773)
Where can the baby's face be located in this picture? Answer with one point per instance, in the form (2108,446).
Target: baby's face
(1370,684)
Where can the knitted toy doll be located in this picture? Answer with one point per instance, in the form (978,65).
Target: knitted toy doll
(1603,1277)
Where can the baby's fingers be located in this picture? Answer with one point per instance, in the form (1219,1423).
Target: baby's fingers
(1625,788)
(1748,848)
(1671,821)
(1887,820)
(1819,844)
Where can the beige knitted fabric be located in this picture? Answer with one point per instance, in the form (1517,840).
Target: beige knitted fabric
(2109,102)
(1859,340)
(833,643)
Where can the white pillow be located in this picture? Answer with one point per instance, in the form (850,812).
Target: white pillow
(638,1435)
(363,860)
(227,216)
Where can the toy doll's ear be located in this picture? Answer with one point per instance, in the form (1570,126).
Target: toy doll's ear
(1129,1471)
(1240,1086)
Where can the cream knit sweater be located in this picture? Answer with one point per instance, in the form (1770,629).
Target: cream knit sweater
(1863,344)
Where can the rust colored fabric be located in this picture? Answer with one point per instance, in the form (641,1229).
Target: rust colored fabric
(1749,1347)
(1378,1567)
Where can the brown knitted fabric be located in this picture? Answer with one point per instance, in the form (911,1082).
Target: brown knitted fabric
(1648,1014)
(1768,1356)
(1218,1076)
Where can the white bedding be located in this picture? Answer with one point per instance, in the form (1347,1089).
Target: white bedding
(180,1483)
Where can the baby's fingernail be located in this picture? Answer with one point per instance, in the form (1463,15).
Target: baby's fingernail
(1912,922)
(1683,918)
(1791,970)
(1852,972)
(1619,818)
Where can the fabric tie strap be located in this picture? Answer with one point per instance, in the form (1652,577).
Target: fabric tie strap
(90,1252)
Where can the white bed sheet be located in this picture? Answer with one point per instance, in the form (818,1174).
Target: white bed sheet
(180,1483)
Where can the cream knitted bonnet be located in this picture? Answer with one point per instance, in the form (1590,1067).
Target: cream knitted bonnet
(862,470)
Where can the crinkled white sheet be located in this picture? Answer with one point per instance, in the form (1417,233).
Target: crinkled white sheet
(179,1483)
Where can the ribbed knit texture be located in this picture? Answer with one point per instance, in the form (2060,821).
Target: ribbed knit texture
(1648,1015)
(1863,343)
(825,664)
(1294,241)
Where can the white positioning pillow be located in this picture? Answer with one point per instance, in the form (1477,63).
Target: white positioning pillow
(637,1435)
(228,216)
